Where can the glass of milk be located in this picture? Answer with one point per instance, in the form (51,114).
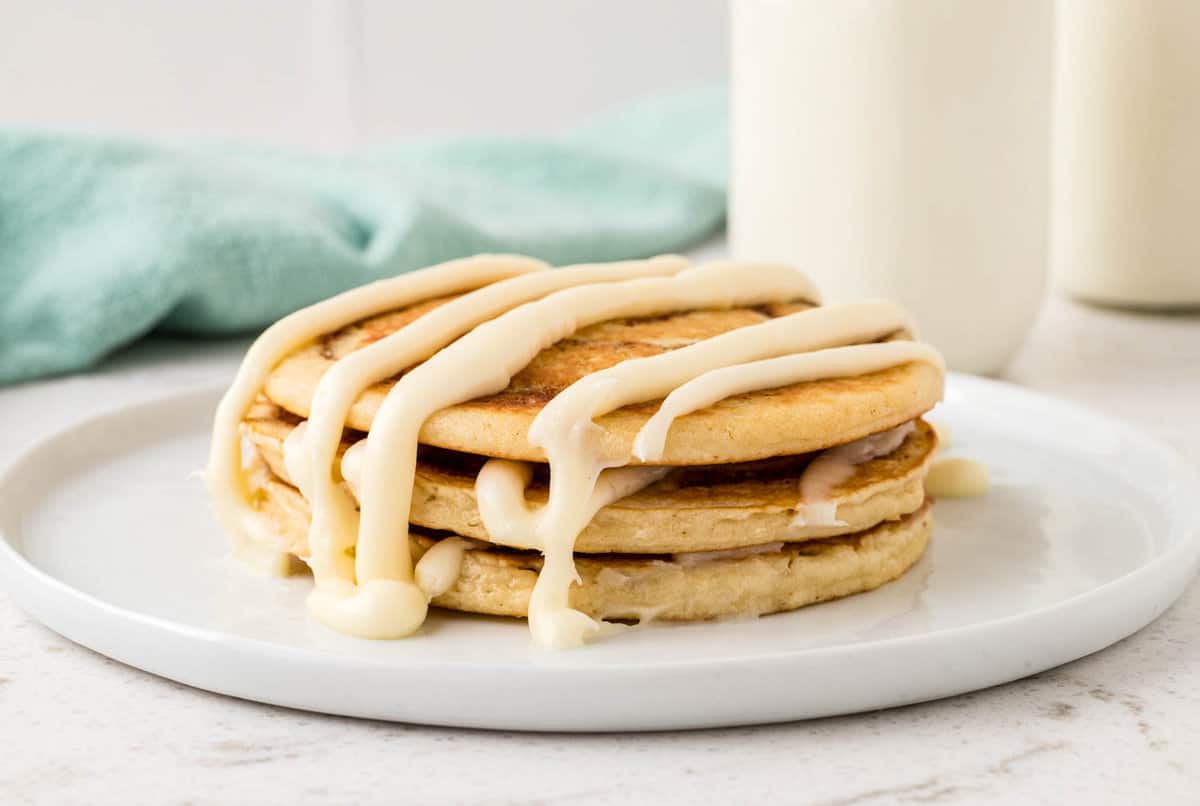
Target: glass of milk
(900,149)
(1127,152)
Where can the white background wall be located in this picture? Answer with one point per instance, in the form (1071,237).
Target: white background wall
(338,73)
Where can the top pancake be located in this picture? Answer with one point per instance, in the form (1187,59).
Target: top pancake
(788,420)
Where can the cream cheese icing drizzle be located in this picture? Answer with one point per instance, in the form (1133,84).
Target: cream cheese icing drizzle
(335,521)
(507,516)
(831,467)
(438,569)
(957,477)
(224,476)
(471,346)
(954,476)
(566,433)
(385,602)
(295,459)
(351,468)
(766,357)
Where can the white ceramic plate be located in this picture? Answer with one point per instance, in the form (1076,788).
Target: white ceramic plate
(1090,532)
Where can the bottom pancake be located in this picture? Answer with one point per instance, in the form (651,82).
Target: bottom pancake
(769,579)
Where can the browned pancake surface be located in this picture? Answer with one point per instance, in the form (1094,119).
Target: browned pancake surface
(789,420)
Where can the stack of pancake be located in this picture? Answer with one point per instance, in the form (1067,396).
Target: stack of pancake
(717,536)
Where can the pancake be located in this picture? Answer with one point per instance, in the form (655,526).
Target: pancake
(498,581)
(789,420)
(746,419)
(702,508)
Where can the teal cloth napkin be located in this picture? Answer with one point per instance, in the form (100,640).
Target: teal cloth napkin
(103,240)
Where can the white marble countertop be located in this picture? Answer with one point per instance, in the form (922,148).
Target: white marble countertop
(1121,726)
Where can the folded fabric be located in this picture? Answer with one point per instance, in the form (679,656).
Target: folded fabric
(103,240)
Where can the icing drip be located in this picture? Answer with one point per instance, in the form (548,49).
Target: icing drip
(831,467)
(295,459)
(352,461)
(224,476)
(507,516)
(724,382)
(438,569)
(954,477)
(957,478)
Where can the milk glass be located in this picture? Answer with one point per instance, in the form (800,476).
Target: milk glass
(900,149)
(1127,152)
